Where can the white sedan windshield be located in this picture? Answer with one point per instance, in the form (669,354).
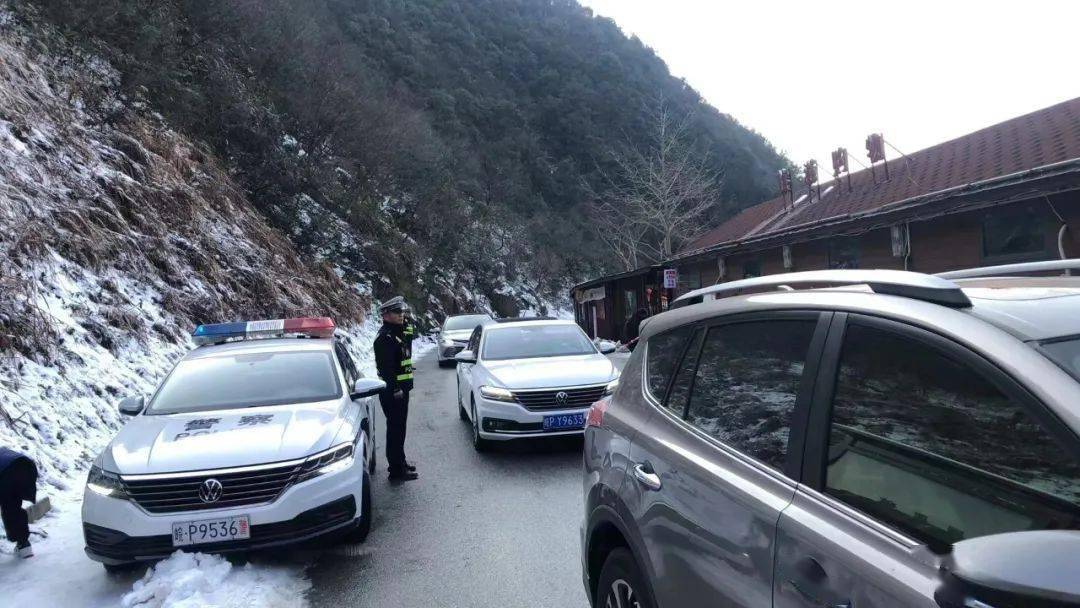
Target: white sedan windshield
(247,380)
(536,341)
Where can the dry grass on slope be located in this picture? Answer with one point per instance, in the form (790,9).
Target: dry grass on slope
(89,185)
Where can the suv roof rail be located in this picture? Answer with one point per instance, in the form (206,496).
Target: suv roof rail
(521,319)
(1012,269)
(918,286)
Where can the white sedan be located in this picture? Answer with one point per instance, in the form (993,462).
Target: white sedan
(530,378)
(248,443)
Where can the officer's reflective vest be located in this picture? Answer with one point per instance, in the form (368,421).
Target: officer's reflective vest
(406,371)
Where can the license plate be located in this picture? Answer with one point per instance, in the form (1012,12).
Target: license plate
(210,531)
(564,421)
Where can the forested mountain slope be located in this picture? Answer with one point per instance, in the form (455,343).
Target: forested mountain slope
(479,128)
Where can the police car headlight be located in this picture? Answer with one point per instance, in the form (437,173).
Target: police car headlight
(104,483)
(610,390)
(497,394)
(334,460)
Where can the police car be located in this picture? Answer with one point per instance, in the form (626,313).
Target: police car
(261,436)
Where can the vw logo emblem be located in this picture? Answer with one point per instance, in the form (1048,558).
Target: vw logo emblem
(210,490)
(561,397)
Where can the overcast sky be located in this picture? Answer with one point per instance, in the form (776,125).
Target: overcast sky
(813,76)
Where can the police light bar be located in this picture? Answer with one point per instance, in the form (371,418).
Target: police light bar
(216,333)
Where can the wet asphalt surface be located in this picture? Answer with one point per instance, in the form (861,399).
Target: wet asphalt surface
(476,530)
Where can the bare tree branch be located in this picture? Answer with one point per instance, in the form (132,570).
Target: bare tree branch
(661,194)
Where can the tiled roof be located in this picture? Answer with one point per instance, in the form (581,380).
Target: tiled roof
(1045,137)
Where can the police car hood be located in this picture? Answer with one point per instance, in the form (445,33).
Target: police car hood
(550,372)
(221,438)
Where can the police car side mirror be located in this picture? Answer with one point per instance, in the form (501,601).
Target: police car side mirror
(367,387)
(1034,569)
(132,406)
(607,347)
(465,356)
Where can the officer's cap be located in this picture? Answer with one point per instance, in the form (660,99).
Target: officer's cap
(395,304)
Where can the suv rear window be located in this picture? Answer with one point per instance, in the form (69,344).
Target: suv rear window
(747,382)
(247,380)
(663,353)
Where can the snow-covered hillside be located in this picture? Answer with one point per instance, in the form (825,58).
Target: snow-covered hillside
(118,235)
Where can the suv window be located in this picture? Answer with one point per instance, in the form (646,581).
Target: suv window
(680,389)
(746,384)
(933,448)
(662,355)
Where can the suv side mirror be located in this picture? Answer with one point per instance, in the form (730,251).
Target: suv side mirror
(465,356)
(607,347)
(1032,569)
(367,387)
(132,406)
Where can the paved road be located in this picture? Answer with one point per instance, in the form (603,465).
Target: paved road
(496,529)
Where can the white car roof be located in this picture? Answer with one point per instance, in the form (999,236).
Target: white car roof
(528,323)
(262,345)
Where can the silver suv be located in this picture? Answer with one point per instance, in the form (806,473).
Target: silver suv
(844,439)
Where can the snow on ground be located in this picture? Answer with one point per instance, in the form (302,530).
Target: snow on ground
(67,412)
(60,574)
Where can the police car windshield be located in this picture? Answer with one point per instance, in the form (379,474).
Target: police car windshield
(527,341)
(464,322)
(1065,353)
(247,380)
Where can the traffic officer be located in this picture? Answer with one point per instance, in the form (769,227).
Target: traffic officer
(393,360)
(18,482)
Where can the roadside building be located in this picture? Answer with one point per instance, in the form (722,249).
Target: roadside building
(1007,193)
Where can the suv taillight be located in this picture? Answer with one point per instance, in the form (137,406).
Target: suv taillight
(596,413)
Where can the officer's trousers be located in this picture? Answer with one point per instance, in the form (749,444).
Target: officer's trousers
(17,482)
(397,414)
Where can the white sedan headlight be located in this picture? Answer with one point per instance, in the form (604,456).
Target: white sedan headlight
(496,393)
(105,483)
(334,460)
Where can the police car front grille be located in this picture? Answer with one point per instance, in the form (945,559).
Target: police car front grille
(172,494)
(576,398)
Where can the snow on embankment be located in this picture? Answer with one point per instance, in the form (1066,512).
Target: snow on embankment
(117,236)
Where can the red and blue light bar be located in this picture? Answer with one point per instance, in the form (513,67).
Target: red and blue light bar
(216,333)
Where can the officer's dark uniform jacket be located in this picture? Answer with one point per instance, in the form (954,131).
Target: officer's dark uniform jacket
(393,357)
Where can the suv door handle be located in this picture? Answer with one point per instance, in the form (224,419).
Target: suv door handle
(646,476)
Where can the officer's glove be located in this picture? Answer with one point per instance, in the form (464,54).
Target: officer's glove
(399,394)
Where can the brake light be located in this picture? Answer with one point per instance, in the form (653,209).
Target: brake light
(596,413)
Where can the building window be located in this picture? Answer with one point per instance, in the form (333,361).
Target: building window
(844,252)
(689,279)
(751,268)
(1013,234)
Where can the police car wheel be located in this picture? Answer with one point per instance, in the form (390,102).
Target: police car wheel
(360,533)
(478,442)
